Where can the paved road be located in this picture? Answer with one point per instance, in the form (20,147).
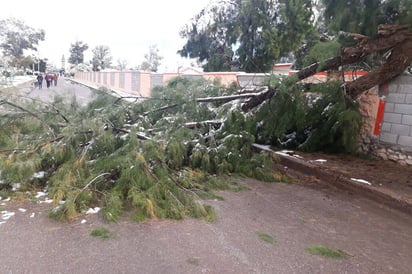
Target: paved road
(65,88)
(377,240)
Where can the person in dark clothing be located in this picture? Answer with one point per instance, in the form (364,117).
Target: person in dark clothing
(40,81)
(48,79)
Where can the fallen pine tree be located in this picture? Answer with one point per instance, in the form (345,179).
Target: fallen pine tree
(121,155)
(157,160)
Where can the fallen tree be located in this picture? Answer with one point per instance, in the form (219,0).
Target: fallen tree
(159,164)
(395,39)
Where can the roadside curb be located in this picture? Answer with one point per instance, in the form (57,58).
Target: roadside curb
(339,180)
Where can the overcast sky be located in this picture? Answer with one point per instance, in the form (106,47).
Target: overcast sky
(127,27)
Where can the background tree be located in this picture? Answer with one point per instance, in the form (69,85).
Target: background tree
(352,15)
(364,16)
(101,58)
(152,60)
(77,52)
(247,35)
(338,18)
(16,36)
(25,62)
(121,64)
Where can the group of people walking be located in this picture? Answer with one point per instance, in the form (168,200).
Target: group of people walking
(49,78)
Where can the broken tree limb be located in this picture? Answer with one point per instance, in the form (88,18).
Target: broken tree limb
(225,99)
(141,136)
(389,36)
(117,130)
(21,108)
(399,59)
(395,38)
(36,148)
(215,123)
(161,109)
(258,99)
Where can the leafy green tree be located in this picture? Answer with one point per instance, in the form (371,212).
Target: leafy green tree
(16,36)
(247,35)
(101,58)
(365,16)
(358,16)
(397,11)
(77,52)
(351,16)
(152,59)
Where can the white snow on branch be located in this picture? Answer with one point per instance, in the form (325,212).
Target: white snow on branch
(262,147)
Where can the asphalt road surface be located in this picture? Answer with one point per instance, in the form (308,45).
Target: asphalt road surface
(375,239)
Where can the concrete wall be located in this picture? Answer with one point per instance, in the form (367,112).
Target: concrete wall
(141,83)
(396,129)
(391,137)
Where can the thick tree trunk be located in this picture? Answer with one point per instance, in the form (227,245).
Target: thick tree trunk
(398,61)
(396,38)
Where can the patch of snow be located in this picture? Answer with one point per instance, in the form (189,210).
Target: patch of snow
(361,181)
(124,137)
(321,161)
(5,215)
(93,210)
(40,194)
(22,209)
(7,199)
(327,108)
(2,222)
(39,175)
(289,138)
(15,186)
(285,153)
(32,215)
(262,147)
(46,201)
(282,153)
(83,221)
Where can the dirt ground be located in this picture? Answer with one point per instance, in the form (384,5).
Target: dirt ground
(379,173)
